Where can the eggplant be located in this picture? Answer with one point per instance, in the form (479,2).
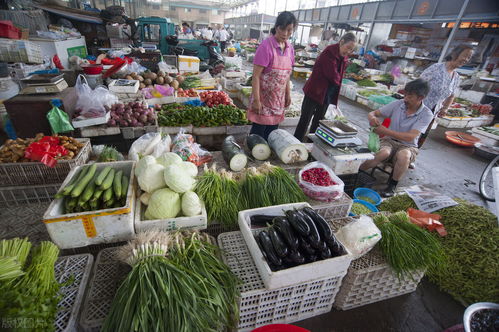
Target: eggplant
(269,249)
(311,258)
(279,246)
(336,247)
(261,220)
(298,224)
(322,225)
(313,237)
(257,239)
(305,246)
(321,245)
(296,257)
(326,254)
(283,227)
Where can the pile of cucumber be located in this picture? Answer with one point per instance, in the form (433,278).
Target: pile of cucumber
(91,190)
(302,236)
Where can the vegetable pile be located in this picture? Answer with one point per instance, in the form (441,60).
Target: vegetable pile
(406,246)
(14,151)
(176,115)
(225,194)
(148,78)
(190,82)
(187,93)
(302,236)
(30,291)
(469,273)
(367,199)
(133,114)
(177,283)
(91,190)
(214,98)
(318,176)
(359,209)
(366,83)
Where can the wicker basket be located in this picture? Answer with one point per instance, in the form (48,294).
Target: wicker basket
(36,173)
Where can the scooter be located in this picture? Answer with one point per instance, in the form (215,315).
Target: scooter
(216,61)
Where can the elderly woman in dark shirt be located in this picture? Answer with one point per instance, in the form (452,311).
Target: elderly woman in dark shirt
(323,86)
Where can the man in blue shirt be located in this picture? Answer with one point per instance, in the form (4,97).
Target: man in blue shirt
(409,118)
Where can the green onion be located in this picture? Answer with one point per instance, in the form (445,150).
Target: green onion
(360,209)
(17,248)
(10,268)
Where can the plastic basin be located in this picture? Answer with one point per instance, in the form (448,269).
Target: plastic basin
(92,69)
(461,139)
(368,205)
(366,192)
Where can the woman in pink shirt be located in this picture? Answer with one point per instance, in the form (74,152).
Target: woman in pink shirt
(272,68)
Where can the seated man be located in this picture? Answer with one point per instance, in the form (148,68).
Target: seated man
(409,118)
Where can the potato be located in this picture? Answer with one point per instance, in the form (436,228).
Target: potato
(128,77)
(140,78)
(180,79)
(133,74)
(147,81)
(175,84)
(168,79)
(160,80)
(161,73)
(150,86)
(142,86)
(153,76)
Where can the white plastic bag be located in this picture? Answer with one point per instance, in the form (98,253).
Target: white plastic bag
(324,192)
(162,147)
(333,112)
(92,103)
(144,145)
(163,66)
(359,236)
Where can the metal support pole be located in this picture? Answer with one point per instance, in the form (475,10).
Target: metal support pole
(368,39)
(457,23)
(261,28)
(286,5)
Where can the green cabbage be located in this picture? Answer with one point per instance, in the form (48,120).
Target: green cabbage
(151,178)
(163,204)
(144,198)
(191,204)
(169,158)
(177,179)
(189,168)
(143,163)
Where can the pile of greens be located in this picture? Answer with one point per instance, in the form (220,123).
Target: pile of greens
(177,115)
(469,273)
(366,83)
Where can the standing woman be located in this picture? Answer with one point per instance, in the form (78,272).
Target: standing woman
(323,86)
(444,80)
(272,68)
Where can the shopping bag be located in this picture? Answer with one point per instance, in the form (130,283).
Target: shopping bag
(58,119)
(373,143)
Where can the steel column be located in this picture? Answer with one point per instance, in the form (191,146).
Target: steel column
(453,32)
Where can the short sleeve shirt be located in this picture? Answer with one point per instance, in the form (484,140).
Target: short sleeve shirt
(402,123)
(442,84)
(264,55)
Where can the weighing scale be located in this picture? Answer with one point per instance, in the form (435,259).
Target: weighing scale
(337,134)
(43,83)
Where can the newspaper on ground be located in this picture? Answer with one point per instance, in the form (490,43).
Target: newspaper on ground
(429,200)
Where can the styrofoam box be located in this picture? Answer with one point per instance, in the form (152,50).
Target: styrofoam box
(362,100)
(196,222)
(124,89)
(295,275)
(233,74)
(188,64)
(340,164)
(91,121)
(450,122)
(109,228)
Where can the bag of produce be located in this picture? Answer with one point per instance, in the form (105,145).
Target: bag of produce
(184,145)
(144,146)
(319,182)
(373,143)
(359,236)
(92,103)
(58,119)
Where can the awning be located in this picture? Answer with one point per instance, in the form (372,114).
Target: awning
(75,14)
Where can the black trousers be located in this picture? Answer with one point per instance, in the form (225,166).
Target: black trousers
(263,130)
(222,45)
(309,108)
(422,138)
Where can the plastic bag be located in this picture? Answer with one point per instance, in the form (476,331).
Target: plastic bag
(45,150)
(58,119)
(92,103)
(325,193)
(163,66)
(333,113)
(162,147)
(134,67)
(373,143)
(143,146)
(359,236)
(183,144)
(427,220)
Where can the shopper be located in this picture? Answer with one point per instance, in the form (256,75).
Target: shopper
(208,34)
(409,118)
(272,67)
(222,35)
(444,80)
(323,86)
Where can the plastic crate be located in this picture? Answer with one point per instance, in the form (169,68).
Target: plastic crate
(16,196)
(259,306)
(370,279)
(457,122)
(36,173)
(79,268)
(24,221)
(353,181)
(336,209)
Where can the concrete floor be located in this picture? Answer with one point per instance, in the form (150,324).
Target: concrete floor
(440,165)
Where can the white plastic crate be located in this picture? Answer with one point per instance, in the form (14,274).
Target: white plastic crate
(194,223)
(66,267)
(259,306)
(370,279)
(336,266)
(341,164)
(92,227)
(457,122)
(363,100)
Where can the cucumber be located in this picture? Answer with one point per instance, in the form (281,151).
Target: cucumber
(67,190)
(97,194)
(102,175)
(94,205)
(108,182)
(117,184)
(109,204)
(88,192)
(108,194)
(80,186)
(124,186)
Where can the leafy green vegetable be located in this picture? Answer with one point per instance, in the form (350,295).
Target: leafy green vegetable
(360,209)
(176,115)
(108,154)
(366,199)
(367,83)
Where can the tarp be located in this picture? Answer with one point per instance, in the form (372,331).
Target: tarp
(75,14)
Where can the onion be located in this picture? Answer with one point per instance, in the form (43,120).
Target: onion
(143,118)
(123,123)
(134,122)
(111,123)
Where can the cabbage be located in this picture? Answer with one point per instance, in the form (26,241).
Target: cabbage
(189,168)
(169,158)
(151,178)
(191,204)
(143,163)
(177,179)
(163,204)
(144,198)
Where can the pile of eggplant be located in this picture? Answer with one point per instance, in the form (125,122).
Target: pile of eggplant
(302,236)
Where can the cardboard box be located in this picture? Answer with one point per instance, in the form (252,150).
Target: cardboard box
(124,86)
(188,64)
